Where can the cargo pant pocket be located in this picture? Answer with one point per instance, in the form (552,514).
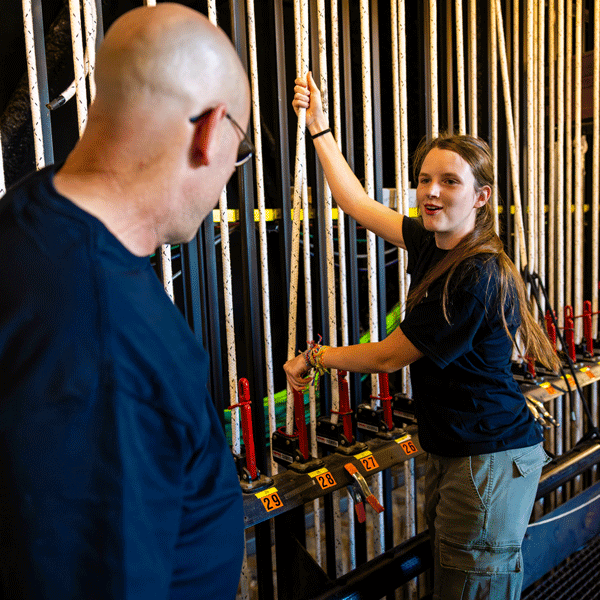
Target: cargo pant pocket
(476,572)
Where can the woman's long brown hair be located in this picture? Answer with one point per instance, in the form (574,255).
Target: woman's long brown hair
(484,243)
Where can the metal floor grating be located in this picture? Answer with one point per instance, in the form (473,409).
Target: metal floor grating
(578,577)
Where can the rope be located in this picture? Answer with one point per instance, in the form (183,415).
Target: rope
(514,161)
(34,94)
(301,29)
(260,194)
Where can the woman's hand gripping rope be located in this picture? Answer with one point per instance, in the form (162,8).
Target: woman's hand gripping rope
(297,367)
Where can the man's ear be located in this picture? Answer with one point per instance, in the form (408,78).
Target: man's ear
(483,195)
(207,136)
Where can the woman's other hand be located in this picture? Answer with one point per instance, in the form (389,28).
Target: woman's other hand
(307,95)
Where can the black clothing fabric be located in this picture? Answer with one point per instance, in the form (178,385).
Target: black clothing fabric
(116,480)
(466,399)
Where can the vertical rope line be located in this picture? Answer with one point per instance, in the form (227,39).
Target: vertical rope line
(569,154)
(34,93)
(541,143)
(331,292)
(433,68)
(369,173)
(91,24)
(460,69)
(260,195)
(531,204)
(578,191)
(552,149)
(596,171)
(450,53)
(510,130)
(473,67)
(559,301)
(301,28)
(378,532)
(78,63)
(337,128)
(404,155)
(493,51)
(516,99)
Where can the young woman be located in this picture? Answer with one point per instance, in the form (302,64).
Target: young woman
(465,305)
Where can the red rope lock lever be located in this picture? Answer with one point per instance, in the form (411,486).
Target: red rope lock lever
(247,434)
(570,332)
(587,326)
(300,421)
(386,400)
(345,411)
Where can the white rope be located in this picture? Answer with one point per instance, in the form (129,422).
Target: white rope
(568,281)
(494,109)
(369,175)
(460,69)
(473,67)
(531,131)
(551,270)
(433,68)
(347,561)
(569,512)
(260,194)
(331,295)
(34,94)
(91,24)
(596,170)
(559,300)
(541,144)
(404,193)
(78,63)
(301,28)
(514,161)
(579,166)
(516,101)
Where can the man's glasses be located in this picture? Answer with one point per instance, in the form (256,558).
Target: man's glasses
(246,148)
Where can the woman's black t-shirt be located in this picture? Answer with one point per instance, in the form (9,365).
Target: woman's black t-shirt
(467,400)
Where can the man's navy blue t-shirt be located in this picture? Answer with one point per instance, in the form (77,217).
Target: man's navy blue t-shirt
(116,480)
(467,401)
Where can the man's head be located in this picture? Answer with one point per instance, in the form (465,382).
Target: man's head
(158,67)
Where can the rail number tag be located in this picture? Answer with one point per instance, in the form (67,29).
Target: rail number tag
(324,478)
(548,387)
(587,371)
(407,445)
(367,460)
(270,499)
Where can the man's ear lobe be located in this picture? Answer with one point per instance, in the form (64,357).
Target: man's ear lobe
(206,138)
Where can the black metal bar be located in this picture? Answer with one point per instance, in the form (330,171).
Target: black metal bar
(42,79)
(192,295)
(213,340)
(568,465)
(384,574)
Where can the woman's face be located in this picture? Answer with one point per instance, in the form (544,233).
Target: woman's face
(447,197)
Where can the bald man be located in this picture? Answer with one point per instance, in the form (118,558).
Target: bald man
(116,480)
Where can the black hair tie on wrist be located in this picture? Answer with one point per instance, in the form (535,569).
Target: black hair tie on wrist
(320,133)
